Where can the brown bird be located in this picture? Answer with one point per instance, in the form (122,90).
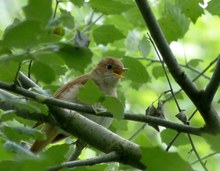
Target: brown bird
(106,75)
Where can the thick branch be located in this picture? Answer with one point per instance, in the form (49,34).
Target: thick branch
(89,110)
(10,104)
(164,49)
(83,128)
(103,139)
(213,85)
(207,111)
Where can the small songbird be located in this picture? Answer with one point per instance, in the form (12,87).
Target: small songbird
(106,75)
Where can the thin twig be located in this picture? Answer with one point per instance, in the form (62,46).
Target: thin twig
(164,69)
(91,18)
(29,68)
(56,7)
(194,79)
(110,157)
(137,132)
(196,153)
(187,66)
(177,135)
(206,69)
(92,23)
(194,70)
(172,141)
(205,157)
(17,74)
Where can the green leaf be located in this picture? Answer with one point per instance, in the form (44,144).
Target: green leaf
(67,19)
(43,72)
(40,10)
(213,7)
(107,34)
(144,46)
(22,133)
(28,30)
(15,148)
(115,106)
(213,141)
(194,62)
(132,41)
(143,140)
(167,135)
(37,107)
(9,165)
(174,24)
(7,115)
(155,159)
(157,71)
(116,52)
(24,165)
(191,9)
(30,106)
(4,154)
(56,154)
(137,73)
(8,71)
(134,17)
(75,57)
(119,125)
(52,60)
(90,93)
(110,7)
(120,21)
(78,3)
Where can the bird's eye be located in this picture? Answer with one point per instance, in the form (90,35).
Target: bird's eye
(109,66)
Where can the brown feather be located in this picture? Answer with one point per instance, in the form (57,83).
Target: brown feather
(104,77)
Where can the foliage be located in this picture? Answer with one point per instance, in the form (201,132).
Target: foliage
(49,40)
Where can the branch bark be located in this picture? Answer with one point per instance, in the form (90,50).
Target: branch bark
(83,128)
(213,85)
(103,139)
(199,99)
(110,157)
(85,109)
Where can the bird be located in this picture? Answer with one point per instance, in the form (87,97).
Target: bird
(106,76)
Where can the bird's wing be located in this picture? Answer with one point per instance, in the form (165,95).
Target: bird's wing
(67,92)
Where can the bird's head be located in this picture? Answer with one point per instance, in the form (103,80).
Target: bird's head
(110,70)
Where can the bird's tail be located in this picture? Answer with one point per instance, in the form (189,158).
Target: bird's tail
(51,132)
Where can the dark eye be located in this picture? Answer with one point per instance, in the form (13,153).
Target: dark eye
(109,66)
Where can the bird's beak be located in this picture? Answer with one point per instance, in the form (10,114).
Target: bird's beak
(118,72)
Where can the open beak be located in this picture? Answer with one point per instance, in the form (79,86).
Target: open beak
(118,72)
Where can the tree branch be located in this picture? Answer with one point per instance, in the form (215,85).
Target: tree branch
(208,113)
(89,110)
(110,157)
(213,85)
(10,104)
(103,139)
(83,128)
